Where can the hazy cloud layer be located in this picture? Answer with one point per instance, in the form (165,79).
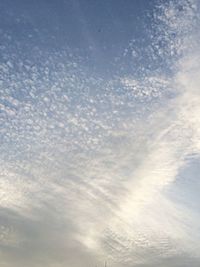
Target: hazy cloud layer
(99,167)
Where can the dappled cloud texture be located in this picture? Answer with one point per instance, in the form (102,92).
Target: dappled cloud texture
(99,160)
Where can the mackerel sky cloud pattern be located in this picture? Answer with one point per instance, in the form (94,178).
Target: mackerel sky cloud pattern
(99,133)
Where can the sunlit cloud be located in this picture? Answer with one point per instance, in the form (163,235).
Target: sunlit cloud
(91,164)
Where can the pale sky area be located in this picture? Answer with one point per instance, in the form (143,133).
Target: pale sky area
(99,133)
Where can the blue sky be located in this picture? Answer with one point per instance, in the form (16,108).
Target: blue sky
(99,133)
(100,31)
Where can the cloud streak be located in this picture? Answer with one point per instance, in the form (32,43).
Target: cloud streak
(89,166)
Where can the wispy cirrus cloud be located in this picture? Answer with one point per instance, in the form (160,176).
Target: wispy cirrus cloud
(89,166)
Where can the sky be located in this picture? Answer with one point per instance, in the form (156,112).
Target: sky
(99,133)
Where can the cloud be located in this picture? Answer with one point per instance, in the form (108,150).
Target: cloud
(88,165)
